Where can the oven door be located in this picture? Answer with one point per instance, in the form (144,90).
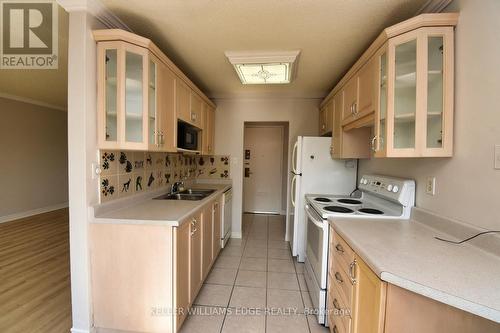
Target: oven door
(317,245)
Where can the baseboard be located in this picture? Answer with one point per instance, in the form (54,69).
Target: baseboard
(78,330)
(235,234)
(17,216)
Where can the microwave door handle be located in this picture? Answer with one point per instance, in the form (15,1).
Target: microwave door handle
(318,223)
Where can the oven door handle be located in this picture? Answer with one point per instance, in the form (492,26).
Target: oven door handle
(319,223)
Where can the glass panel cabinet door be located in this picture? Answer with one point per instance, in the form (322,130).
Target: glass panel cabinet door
(152,108)
(133,97)
(380,138)
(405,95)
(110,95)
(435,92)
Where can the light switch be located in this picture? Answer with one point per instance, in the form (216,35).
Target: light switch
(430,187)
(497,157)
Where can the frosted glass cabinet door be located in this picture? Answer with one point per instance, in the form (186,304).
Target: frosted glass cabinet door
(153,135)
(380,139)
(405,95)
(110,92)
(134,97)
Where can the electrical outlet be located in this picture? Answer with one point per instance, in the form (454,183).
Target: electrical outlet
(497,157)
(430,187)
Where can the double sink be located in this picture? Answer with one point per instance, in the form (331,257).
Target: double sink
(188,194)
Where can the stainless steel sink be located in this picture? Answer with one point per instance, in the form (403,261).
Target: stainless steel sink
(189,194)
(197,191)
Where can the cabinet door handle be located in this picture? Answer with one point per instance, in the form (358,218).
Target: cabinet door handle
(193,116)
(338,277)
(194,231)
(373,143)
(355,106)
(339,248)
(352,273)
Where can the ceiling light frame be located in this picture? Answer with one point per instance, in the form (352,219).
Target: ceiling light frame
(267,60)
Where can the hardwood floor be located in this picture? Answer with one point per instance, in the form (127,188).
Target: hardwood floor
(35,275)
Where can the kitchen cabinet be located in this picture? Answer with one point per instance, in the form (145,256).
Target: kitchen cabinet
(402,89)
(122,94)
(347,143)
(183,99)
(161,112)
(326,119)
(416,95)
(356,297)
(217,227)
(208,238)
(208,130)
(182,259)
(140,272)
(141,94)
(196,255)
(360,302)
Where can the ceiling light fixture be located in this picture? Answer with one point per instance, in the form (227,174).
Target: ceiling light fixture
(264,67)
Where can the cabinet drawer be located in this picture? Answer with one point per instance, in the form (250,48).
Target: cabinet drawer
(343,254)
(341,282)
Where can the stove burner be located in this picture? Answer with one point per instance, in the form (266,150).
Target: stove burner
(350,201)
(371,211)
(322,200)
(338,209)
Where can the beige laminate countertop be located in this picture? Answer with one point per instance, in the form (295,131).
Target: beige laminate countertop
(406,254)
(146,210)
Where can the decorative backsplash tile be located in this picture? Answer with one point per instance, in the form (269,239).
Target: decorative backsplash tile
(125,173)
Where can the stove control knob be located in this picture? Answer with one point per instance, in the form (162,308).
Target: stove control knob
(389,187)
(366,181)
(395,189)
(362,181)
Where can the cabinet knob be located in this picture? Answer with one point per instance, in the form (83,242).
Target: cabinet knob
(339,248)
(338,277)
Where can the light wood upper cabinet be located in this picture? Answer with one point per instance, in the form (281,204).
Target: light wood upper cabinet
(208,117)
(122,94)
(402,87)
(183,99)
(326,118)
(141,94)
(416,108)
(161,107)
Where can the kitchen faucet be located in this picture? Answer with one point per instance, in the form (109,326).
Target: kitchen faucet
(176,187)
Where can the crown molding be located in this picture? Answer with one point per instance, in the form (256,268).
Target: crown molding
(32,101)
(97,9)
(434,6)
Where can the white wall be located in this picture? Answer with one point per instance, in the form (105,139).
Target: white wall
(468,187)
(231,114)
(34,159)
(82,143)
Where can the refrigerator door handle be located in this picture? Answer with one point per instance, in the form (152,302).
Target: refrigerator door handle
(292,187)
(294,157)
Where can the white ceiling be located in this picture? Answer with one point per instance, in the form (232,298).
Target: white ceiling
(331,35)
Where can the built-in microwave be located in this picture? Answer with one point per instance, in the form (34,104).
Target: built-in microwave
(187,136)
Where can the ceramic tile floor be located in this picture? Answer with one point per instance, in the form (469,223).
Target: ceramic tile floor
(255,286)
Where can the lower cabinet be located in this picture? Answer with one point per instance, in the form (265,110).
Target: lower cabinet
(359,302)
(196,254)
(146,277)
(208,238)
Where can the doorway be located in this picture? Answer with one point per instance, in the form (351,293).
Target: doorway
(265,153)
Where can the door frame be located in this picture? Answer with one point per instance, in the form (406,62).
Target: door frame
(284,141)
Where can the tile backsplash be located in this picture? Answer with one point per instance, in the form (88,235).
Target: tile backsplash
(125,173)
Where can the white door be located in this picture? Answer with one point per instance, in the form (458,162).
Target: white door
(263,167)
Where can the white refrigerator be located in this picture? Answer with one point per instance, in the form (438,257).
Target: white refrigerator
(314,172)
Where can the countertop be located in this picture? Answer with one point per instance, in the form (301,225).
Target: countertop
(406,254)
(145,210)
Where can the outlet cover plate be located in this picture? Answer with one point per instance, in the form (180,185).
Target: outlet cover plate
(430,187)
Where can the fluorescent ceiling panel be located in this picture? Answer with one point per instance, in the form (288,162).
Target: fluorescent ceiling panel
(264,68)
